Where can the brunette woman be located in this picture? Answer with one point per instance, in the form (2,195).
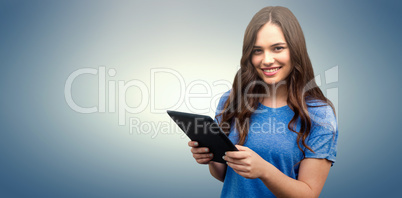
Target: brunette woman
(284,127)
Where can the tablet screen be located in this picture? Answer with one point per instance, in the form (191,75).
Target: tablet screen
(205,131)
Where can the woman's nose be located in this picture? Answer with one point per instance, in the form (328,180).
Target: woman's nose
(268,59)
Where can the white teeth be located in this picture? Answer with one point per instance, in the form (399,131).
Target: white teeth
(271,70)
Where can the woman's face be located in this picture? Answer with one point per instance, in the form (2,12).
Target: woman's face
(271,56)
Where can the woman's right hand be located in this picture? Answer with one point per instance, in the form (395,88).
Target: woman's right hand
(200,154)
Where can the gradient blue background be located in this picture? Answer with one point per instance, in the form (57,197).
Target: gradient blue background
(49,150)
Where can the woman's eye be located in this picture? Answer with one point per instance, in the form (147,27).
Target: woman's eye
(257,51)
(279,48)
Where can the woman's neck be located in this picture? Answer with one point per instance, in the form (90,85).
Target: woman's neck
(277,97)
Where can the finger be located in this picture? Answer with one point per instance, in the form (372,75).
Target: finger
(243,174)
(203,161)
(238,154)
(232,160)
(238,167)
(203,156)
(241,148)
(193,143)
(199,150)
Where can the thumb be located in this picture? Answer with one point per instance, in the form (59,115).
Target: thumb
(241,148)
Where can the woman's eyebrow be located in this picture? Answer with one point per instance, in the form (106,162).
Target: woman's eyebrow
(280,43)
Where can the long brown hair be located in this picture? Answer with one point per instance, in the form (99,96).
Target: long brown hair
(300,83)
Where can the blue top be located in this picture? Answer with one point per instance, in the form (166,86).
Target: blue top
(270,138)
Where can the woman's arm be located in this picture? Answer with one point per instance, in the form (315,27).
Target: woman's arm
(217,170)
(311,179)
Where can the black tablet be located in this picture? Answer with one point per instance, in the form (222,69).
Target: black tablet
(205,131)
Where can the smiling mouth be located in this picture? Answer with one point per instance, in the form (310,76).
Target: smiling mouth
(270,70)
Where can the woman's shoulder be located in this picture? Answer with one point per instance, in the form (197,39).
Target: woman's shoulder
(222,100)
(322,113)
(319,107)
(225,96)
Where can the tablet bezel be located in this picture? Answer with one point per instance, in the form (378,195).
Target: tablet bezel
(212,135)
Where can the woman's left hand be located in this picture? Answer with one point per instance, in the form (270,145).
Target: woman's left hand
(246,162)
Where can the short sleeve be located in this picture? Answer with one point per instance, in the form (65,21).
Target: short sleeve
(221,105)
(323,137)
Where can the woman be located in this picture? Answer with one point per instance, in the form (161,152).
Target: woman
(284,127)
